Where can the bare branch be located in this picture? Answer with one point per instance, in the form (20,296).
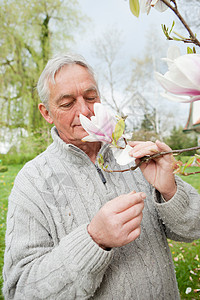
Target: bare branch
(174,8)
(146,159)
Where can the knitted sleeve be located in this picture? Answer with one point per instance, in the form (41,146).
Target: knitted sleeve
(39,267)
(180,215)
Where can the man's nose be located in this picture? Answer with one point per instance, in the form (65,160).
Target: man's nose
(83,107)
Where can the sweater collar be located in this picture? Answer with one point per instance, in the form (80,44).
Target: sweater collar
(69,151)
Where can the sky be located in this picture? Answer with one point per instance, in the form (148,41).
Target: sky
(106,14)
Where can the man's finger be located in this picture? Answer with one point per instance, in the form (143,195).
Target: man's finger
(162,146)
(132,212)
(126,201)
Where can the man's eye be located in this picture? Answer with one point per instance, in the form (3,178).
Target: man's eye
(90,98)
(67,105)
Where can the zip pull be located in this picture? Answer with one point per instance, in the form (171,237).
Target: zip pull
(101,174)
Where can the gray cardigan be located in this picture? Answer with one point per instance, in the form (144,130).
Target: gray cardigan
(49,253)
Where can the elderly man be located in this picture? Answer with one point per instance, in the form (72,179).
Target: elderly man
(74,232)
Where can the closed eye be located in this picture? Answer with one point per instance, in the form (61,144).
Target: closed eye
(67,105)
(90,98)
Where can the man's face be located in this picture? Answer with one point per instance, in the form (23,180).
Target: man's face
(74,93)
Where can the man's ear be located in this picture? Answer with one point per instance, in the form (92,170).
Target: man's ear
(45,113)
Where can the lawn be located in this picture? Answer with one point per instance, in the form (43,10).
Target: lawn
(187,265)
(194,179)
(186,256)
(6,183)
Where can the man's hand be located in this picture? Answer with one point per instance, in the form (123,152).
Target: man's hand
(158,171)
(118,221)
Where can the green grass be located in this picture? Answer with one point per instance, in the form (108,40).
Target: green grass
(187,265)
(194,179)
(6,183)
(186,256)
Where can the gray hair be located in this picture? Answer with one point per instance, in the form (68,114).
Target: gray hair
(53,66)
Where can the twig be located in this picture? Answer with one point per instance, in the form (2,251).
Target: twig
(174,8)
(149,157)
(191,173)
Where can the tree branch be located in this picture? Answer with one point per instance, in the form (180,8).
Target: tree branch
(174,8)
(153,156)
(191,173)
(9,63)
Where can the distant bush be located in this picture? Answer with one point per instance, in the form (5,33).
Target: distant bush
(184,159)
(16,159)
(36,142)
(27,148)
(3,169)
(181,140)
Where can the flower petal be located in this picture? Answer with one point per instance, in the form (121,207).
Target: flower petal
(173,87)
(180,99)
(101,125)
(122,155)
(96,138)
(189,65)
(160,6)
(176,75)
(173,52)
(89,126)
(145,6)
(90,138)
(106,122)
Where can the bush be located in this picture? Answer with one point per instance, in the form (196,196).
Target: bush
(181,140)
(28,147)
(184,159)
(16,159)
(3,169)
(36,142)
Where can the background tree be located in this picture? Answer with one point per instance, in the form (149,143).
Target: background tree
(142,79)
(129,86)
(113,75)
(30,30)
(178,139)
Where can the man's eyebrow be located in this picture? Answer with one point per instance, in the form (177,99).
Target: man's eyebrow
(91,89)
(71,96)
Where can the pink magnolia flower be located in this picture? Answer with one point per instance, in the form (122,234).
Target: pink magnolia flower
(145,5)
(101,128)
(182,78)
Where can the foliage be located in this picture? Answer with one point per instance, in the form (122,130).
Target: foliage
(6,183)
(144,135)
(187,267)
(184,159)
(134,7)
(18,158)
(148,128)
(193,179)
(180,140)
(30,30)
(3,169)
(119,130)
(36,142)
(148,123)
(28,147)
